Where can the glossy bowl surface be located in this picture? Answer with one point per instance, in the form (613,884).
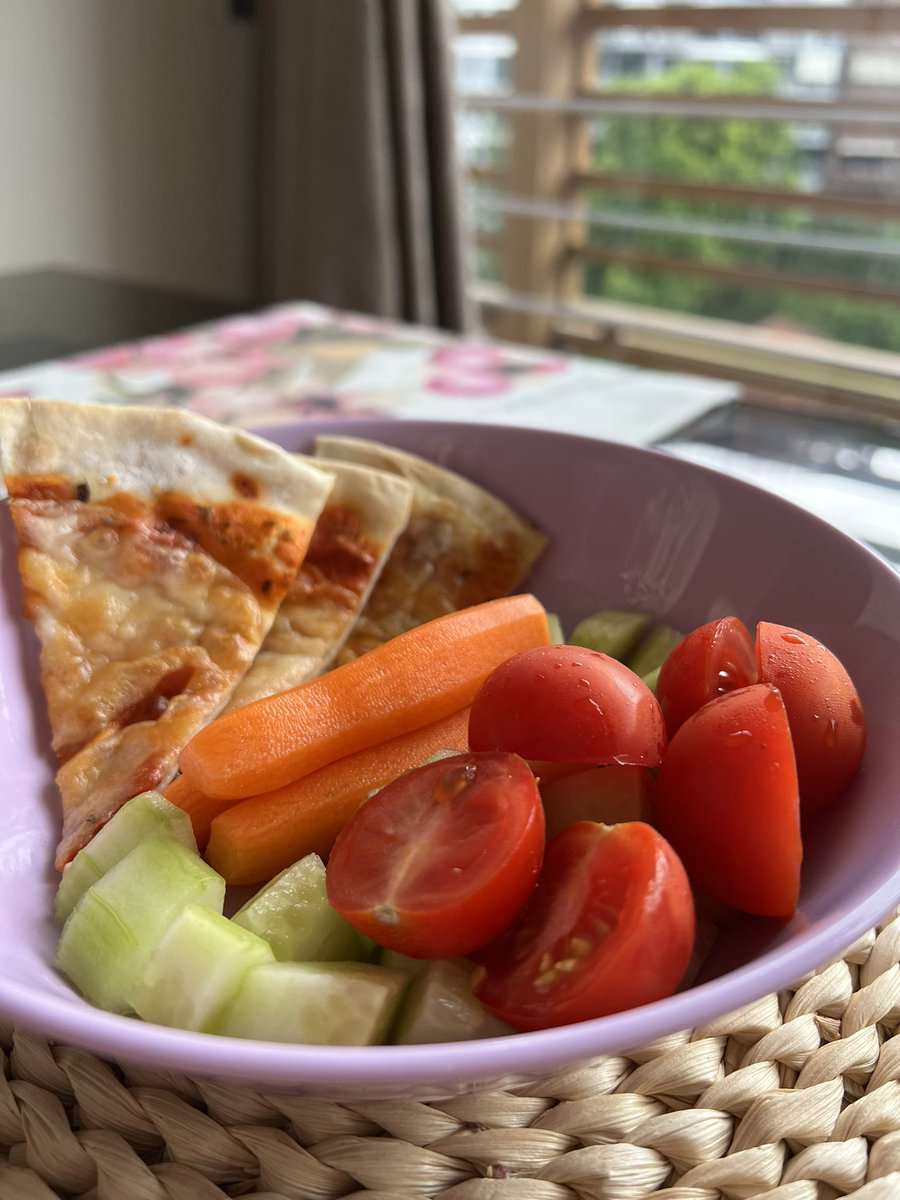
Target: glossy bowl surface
(628,527)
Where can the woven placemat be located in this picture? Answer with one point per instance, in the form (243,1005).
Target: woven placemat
(796,1097)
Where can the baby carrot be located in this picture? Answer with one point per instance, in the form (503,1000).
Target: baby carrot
(253,840)
(410,681)
(198,806)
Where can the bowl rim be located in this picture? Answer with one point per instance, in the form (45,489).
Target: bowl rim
(347,1071)
(344,1070)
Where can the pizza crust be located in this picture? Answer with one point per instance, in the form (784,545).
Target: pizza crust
(145,451)
(440,482)
(155,547)
(365,513)
(462,546)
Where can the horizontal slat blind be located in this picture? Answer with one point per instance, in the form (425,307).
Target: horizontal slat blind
(711,107)
(855,19)
(876,19)
(737,162)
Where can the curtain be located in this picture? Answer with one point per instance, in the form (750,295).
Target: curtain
(360,199)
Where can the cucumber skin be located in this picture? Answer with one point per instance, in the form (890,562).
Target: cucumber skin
(612,631)
(108,939)
(143,816)
(319,1004)
(652,652)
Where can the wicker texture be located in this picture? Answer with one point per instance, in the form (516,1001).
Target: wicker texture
(795,1097)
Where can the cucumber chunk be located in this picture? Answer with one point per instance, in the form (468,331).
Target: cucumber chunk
(400,962)
(293,915)
(196,969)
(107,941)
(321,1004)
(554,626)
(653,650)
(652,679)
(439,1006)
(141,817)
(614,631)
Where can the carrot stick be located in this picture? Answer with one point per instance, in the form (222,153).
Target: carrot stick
(253,840)
(199,807)
(410,681)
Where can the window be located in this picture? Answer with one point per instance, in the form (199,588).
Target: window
(713,187)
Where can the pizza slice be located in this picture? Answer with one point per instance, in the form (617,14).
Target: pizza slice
(155,547)
(365,513)
(461,546)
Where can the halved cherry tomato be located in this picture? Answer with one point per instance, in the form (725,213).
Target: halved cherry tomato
(608,795)
(727,800)
(441,860)
(717,657)
(609,926)
(568,704)
(823,706)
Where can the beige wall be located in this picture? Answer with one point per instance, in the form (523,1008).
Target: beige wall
(127,141)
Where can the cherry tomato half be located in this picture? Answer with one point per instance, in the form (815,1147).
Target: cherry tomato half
(727,800)
(568,704)
(824,710)
(717,657)
(609,926)
(442,859)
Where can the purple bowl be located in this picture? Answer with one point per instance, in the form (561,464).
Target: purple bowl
(629,528)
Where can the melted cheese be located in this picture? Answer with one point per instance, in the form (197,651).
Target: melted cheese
(320,606)
(446,559)
(143,637)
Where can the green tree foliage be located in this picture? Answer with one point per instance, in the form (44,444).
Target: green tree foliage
(735,151)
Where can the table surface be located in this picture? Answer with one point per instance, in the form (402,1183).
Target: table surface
(796,1097)
(301,361)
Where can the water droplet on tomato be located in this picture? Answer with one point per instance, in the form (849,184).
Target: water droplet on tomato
(794,639)
(455,781)
(829,738)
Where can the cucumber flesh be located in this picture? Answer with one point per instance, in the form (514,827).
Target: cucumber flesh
(613,631)
(108,939)
(196,969)
(139,818)
(320,1004)
(439,1006)
(293,915)
(652,679)
(555,629)
(400,962)
(654,650)
(606,795)
(412,966)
